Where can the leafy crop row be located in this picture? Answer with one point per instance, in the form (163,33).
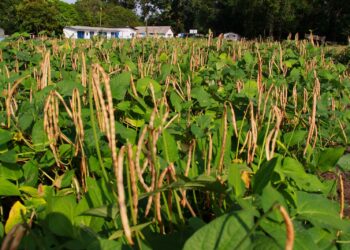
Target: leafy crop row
(170,144)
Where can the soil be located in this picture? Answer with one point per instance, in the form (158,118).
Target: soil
(346,182)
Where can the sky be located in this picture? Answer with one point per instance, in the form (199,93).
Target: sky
(69,1)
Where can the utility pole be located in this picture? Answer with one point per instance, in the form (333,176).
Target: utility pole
(101,16)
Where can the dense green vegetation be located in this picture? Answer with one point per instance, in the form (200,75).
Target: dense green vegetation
(249,18)
(170,144)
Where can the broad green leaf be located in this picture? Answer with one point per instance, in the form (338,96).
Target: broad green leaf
(8,157)
(2,230)
(248,58)
(323,238)
(320,211)
(201,96)
(39,137)
(270,197)
(61,215)
(127,135)
(120,233)
(329,157)
(143,85)
(11,171)
(294,138)
(235,180)
(104,244)
(16,216)
(344,162)
(264,175)
(66,87)
(225,232)
(176,101)
(7,188)
(250,89)
(5,136)
(293,169)
(25,120)
(169,147)
(106,211)
(277,230)
(120,85)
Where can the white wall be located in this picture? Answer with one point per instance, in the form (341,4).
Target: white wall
(169,34)
(123,33)
(69,33)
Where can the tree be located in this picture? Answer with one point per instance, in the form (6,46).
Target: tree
(68,14)
(37,15)
(128,4)
(104,13)
(8,15)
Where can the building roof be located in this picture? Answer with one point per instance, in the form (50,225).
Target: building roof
(2,32)
(153,29)
(97,29)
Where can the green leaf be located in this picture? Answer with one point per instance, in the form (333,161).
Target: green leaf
(39,137)
(293,169)
(2,230)
(270,196)
(293,138)
(225,232)
(264,175)
(143,85)
(169,147)
(120,85)
(66,87)
(201,96)
(11,171)
(8,157)
(320,211)
(106,211)
(344,162)
(176,101)
(7,188)
(248,58)
(61,215)
(5,136)
(104,244)
(25,120)
(250,89)
(235,180)
(125,134)
(329,157)
(120,233)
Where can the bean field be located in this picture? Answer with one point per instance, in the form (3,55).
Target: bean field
(173,144)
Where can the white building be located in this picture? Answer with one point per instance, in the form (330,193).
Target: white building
(154,31)
(232,36)
(85,32)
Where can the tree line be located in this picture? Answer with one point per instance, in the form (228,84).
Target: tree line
(249,18)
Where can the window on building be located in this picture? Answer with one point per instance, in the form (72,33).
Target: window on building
(81,34)
(102,34)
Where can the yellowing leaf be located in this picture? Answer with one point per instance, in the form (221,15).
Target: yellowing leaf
(15,216)
(245,178)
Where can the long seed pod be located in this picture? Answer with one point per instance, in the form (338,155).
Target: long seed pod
(234,122)
(133,182)
(289,228)
(137,159)
(342,199)
(118,171)
(224,138)
(210,154)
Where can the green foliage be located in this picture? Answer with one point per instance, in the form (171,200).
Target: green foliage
(217,155)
